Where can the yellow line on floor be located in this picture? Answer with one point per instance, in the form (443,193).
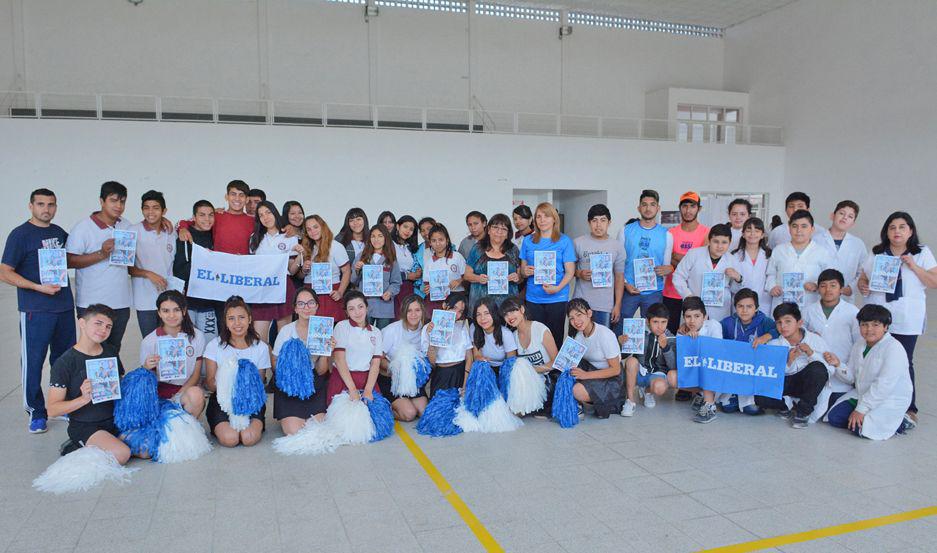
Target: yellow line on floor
(837,530)
(475,525)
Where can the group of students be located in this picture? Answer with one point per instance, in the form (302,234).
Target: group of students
(844,363)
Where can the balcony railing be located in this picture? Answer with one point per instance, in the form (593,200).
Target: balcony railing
(35,105)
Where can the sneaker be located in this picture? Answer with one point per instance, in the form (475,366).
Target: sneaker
(783,414)
(627,410)
(37,426)
(907,424)
(63,418)
(582,413)
(649,400)
(706,413)
(67,447)
(753,410)
(698,402)
(683,395)
(799,421)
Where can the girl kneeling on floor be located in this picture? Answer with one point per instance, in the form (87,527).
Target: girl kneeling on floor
(356,360)
(598,376)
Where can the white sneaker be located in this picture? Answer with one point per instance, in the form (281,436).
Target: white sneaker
(649,400)
(627,410)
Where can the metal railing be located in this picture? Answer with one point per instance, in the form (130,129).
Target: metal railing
(36,105)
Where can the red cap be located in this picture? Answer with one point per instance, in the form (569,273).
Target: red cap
(689,197)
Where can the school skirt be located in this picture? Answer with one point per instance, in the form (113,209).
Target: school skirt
(331,308)
(275,311)
(605,394)
(406,288)
(337,385)
(384,382)
(289,406)
(443,378)
(215,416)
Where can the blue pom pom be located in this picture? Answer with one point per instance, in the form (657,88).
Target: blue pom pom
(439,416)
(249,395)
(481,388)
(504,376)
(381,416)
(143,440)
(294,370)
(565,406)
(421,368)
(139,403)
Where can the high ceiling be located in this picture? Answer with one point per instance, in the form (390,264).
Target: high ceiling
(710,13)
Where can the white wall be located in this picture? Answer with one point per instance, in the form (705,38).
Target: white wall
(332,169)
(325,52)
(852,82)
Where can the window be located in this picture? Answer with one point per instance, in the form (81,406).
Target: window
(519,12)
(433,5)
(582,18)
(700,124)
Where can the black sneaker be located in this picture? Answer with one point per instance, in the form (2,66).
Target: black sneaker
(783,413)
(799,421)
(67,447)
(683,395)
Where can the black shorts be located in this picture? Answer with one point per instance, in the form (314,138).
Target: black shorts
(288,406)
(384,383)
(80,432)
(215,416)
(443,378)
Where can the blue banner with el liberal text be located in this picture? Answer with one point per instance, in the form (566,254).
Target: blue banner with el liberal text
(730,367)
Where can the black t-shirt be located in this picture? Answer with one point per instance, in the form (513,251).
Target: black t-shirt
(69,372)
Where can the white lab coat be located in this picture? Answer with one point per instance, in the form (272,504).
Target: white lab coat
(782,235)
(785,259)
(688,278)
(840,331)
(753,277)
(882,386)
(819,347)
(736,238)
(909,312)
(848,258)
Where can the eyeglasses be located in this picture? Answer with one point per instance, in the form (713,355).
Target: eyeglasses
(306,304)
(499,228)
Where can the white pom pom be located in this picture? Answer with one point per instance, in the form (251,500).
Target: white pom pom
(527,390)
(494,418)
(81,470)
(403,377)
(185,440)
(351,419)
(315,438)
(225,378)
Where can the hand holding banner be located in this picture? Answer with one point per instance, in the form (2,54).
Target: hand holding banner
(731,367)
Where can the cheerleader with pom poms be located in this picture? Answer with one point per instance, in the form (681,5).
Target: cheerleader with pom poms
(404,368)
(174,321)
(234,370)
(300,378)
(491,340)
(451,363)
(356,360)
(535,344)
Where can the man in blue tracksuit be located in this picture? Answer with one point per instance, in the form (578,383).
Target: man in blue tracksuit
(47,311)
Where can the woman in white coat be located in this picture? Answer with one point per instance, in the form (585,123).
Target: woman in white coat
(752,256)
(878,366)
(700,262)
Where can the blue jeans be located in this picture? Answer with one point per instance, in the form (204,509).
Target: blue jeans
(601,317)
(42,333)
(630,304)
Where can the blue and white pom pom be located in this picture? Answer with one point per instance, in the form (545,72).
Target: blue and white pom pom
(439,416)
(139,402)
(565,407)
(382,416)
(81,470)
(482,408)
(181,436)
(239,378)
(294,370)
(522,387)
(409,371)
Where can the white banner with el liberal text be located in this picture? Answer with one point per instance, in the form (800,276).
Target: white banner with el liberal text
(256,278)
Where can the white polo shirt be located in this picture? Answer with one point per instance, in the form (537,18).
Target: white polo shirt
(219,352)
(455,264)
(455,351)
(395,335)
(361,345)
(338,258)
(101,282)
(492,351)
(273,244)
(193,351)
(404,257)
(155,252)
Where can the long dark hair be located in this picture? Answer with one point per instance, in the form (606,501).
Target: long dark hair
(411,243)
(512,303)
(388,252)
(285,219)
(177,298)
(224,334)
(440,228)
(345,235)
(478,337)
(485,243)
(763,243)
(259,230)
(386,214)
(913,245)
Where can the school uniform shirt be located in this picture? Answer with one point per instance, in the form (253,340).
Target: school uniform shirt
(840,331)
(69,372)
(640,242)
(231,232)
(492,351)
(353,250)
(565,253)
(848,258)
(378,308)
(360,344)
(535,352)
(404,258)
(754,273)
(782,235)
(736,238)
(600,299)
(420,259)
(155,252)
(277,244)
(816,343)
(194,350)
(395,335)
(683,242)
(22,254)
(711,329)
(454,264)
(286,334)
(601,346)
(882,385)
(219,352)
(908,312)
(688,278)
(455,351)
(100,282)
(785,259)
(338,258)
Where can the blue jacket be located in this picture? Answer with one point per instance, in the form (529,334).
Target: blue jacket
(733,329)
